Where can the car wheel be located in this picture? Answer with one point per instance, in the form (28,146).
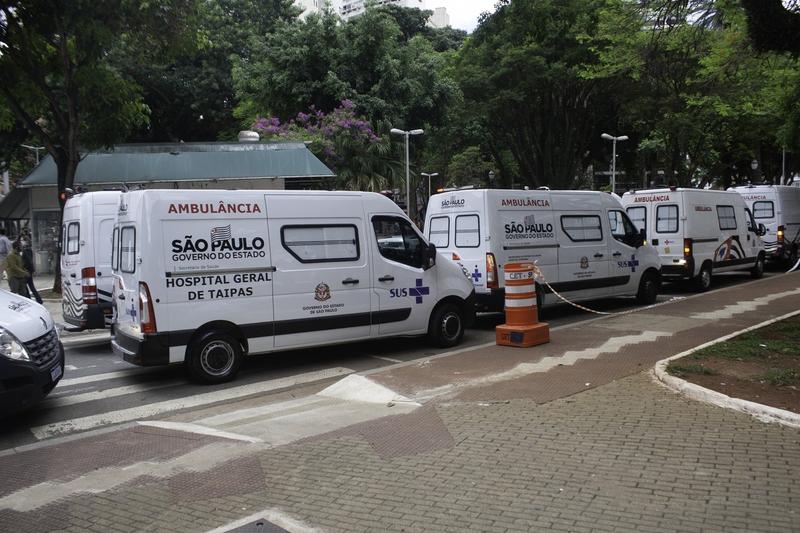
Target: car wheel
(648,289)
(215,358)
(703,280)
(447,326)
(758,270)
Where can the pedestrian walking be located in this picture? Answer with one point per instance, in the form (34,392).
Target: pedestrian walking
(5,249)
(27,263)
(17,275)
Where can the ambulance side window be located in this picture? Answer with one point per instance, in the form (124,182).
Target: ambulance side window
(667,219)
(73,238)
(127,250)
(439,232)
(115,250)
(63,242)
(582,228)
(726,216)
(638,216)
(321,243)
(763,210)
(622,229)
(468,231)
(397,241)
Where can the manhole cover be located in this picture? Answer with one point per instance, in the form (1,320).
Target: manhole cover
(259,526)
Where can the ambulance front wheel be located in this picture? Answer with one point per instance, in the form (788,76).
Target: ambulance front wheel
(703,280)
(757,272)
(447,326)
(648,288)
(214,358)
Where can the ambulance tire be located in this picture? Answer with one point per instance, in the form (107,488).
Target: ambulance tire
(446,327)
(214,358)
(648,288)
(757,272)
(792,256)
(703,280)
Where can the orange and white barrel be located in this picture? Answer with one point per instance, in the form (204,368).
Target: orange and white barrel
(520,291)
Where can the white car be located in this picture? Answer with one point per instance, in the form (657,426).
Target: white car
(31,353)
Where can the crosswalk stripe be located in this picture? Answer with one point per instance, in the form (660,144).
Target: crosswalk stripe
(73,399)
(108,375)
(152,409)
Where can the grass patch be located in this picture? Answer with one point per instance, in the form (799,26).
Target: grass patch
(680,370)
(781,377)
(749,346)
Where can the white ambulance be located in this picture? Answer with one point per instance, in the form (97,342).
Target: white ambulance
(204,277)
(86,277)
(778,208)
(698,232)
(582,241)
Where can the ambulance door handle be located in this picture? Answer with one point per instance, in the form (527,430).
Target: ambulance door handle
(386,278)
(121,297)
(598,255)
(617,254)
(350,281)
(72,275)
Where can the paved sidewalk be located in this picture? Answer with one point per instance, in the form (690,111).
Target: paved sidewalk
(571,436)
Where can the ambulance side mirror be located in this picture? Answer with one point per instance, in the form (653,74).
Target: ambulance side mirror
(430,256)
(642,238)
(762,230)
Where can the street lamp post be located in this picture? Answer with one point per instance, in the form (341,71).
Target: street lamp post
(35,149)
(614,140)
(429,176)
(406,134)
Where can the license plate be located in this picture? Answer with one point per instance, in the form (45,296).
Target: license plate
(55,372)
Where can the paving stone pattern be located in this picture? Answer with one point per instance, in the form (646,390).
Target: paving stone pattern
(540,453)
(627,456)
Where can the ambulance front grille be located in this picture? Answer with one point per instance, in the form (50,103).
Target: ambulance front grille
(43,349)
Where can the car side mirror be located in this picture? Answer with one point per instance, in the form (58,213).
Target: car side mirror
(762,230)
(430,256)
(641,238)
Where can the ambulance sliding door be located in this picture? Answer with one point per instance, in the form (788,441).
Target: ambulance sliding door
(322,277)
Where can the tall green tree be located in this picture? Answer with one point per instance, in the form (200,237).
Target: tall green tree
(191,97)
(522,72)
(57,80)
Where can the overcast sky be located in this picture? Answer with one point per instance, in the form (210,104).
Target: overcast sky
(463,13)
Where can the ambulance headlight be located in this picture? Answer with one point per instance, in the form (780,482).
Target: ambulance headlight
(11,347)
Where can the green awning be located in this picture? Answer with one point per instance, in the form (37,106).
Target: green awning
(153,163)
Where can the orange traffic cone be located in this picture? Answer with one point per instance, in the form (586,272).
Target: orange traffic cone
(522,327)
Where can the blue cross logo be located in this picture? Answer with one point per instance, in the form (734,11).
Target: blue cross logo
(419,291)
(633,263)
(132,311)
(476,276)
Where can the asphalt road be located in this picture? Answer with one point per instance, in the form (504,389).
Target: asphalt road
(99,390)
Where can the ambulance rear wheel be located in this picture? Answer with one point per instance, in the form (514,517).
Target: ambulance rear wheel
(703,280)
(214,358)
(792,256)
(447,326)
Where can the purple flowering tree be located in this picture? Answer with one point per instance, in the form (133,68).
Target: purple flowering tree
(345,142)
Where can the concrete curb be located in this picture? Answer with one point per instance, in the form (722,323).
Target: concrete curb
(764,413)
